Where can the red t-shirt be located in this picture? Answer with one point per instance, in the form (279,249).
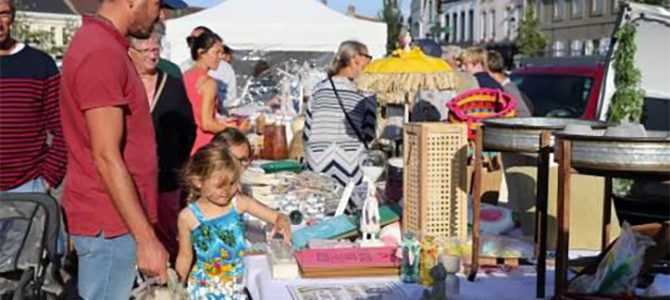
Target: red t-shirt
(97,72)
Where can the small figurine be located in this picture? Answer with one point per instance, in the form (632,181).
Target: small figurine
(439,274)
(409,250)
(370,219)
(428,259)
(452,265)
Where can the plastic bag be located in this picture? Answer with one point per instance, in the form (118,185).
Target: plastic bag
(617,272)
(490,246)
(503,246)
(148,290)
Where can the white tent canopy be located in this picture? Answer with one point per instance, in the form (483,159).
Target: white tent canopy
(276,25)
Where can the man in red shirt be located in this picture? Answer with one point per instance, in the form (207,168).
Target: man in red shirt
(110,192)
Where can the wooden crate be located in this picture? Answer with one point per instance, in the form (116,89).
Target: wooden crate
(434,184)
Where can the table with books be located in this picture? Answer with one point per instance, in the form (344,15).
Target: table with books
(517,285)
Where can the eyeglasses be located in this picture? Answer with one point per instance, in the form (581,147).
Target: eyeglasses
(148,50)
(246,160)
(368,56)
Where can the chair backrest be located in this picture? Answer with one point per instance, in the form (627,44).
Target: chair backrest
(28,225)
(473,106)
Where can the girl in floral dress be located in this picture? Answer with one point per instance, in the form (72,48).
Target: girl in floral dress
(212,225)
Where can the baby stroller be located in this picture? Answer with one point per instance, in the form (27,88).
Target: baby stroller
(29,224)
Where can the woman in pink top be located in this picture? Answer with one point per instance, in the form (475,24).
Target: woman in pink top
(202,90)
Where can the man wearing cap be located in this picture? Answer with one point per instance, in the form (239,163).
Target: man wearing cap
(110,193)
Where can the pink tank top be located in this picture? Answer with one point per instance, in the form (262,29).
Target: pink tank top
(190,80)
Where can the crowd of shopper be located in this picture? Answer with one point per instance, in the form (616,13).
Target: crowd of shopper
(134,137)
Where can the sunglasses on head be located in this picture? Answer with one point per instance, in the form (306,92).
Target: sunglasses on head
(190,40)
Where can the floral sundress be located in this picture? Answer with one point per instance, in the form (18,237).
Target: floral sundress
(220,248)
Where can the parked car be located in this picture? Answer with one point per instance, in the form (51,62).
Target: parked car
(561,87)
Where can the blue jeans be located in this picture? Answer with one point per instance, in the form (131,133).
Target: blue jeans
(106,266)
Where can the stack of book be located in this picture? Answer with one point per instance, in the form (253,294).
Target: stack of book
(348,262)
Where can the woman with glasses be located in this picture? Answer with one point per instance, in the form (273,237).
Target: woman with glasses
(237,145)
(174,128)
(340,122)
(202,89)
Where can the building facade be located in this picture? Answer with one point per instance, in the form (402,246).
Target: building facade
(424,19)
(460,18)
(498,21)
(577,27)
(55,17)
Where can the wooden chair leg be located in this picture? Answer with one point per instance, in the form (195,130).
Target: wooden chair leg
(563,214)
(607,214)
(476,203)
(542,188)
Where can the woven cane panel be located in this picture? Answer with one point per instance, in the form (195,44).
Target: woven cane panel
(445,199)
(412,181)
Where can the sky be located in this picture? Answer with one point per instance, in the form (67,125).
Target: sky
(363,7)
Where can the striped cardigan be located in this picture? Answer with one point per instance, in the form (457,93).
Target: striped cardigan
(331,144)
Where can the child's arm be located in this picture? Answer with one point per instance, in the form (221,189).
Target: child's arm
(185,256)
(280,221)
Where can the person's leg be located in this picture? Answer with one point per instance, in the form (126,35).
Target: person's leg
(106,266)
(168,211)
(123,270)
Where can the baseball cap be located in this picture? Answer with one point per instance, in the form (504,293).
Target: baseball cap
(174,4)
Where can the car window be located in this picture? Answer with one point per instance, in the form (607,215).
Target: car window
(556,95)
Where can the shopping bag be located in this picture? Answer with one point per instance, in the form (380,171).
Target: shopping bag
(148,289)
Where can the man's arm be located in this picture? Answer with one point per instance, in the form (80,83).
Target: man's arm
(53,166)
(105,126)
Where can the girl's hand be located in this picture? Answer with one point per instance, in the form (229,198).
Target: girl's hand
(282,225)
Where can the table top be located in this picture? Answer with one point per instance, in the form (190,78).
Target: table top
(518,284)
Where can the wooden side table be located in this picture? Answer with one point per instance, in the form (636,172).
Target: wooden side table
(542,191)
(564,155)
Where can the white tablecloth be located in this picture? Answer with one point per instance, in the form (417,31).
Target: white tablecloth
(518,284)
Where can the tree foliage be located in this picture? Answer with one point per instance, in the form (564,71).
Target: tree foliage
(390,14)
(529,40)
(628,98)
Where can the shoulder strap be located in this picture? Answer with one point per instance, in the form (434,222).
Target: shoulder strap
(197,212)
(346,115)
(157,95)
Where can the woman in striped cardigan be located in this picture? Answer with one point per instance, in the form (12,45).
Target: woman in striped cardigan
(337,130)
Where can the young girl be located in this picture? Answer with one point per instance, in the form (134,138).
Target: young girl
(212,224)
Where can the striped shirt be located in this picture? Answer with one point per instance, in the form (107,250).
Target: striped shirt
(331,145)
(29,87)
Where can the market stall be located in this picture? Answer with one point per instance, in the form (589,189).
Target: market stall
(278,25)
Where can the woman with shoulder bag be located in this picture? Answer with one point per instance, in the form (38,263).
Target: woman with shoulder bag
(340,122)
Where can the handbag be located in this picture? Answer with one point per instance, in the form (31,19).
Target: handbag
(346,115)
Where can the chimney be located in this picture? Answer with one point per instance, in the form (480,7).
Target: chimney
(351,10)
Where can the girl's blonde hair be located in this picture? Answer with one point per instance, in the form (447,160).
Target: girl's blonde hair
(345,53)
(207,160)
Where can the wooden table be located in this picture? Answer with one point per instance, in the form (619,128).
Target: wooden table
(565,171)
(542,194)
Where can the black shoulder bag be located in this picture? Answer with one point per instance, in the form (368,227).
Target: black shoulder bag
(346,115)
